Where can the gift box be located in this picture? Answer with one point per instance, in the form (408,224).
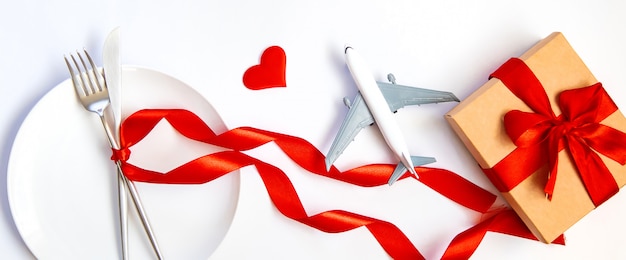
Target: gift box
(547,135)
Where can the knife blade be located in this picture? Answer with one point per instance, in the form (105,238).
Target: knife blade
(113,75)
(112,72)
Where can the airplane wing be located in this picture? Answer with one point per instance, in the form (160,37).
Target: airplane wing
(399,96)
(358,118)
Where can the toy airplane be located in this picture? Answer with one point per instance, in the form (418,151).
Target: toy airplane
(375,103)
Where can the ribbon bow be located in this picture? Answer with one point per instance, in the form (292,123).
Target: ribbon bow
(542,134)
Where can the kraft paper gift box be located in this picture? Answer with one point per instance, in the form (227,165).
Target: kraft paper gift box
(479,122)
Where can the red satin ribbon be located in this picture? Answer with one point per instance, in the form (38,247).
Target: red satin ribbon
(541,135)
(504,221)
(120,155)
(281,191)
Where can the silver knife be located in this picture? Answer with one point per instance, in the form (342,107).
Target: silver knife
(113,78)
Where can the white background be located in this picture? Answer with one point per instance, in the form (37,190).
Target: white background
(446,45)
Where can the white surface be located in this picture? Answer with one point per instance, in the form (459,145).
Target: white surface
(447,45)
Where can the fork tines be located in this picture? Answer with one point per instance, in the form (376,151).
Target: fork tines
(88,78)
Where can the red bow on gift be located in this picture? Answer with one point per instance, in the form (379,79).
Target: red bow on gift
(540,135)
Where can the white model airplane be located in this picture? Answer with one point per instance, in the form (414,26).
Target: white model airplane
(375,103)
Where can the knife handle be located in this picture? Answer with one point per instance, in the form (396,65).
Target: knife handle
(132,190)
(142,213)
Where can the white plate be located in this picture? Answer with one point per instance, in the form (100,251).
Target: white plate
(62,186)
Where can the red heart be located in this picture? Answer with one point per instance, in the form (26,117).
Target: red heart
(270,72)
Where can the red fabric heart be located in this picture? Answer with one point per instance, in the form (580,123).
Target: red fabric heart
(269,73)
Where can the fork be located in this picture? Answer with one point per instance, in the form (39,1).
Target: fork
(91,90)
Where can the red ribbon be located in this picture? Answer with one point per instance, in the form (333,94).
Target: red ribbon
(281,191)
(120,155)
(540,135)
(505,221)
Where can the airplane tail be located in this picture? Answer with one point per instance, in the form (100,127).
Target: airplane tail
(401,169)
(329,164)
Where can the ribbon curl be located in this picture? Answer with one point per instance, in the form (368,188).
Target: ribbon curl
(540,135)
(281,191)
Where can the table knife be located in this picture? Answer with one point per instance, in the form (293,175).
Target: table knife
(113,119)
(113,78)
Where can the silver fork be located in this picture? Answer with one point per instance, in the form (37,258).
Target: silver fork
(92,92)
